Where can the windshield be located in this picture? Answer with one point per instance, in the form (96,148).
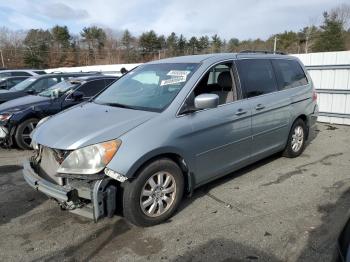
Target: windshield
(23,85)
(149,87)
(59,89)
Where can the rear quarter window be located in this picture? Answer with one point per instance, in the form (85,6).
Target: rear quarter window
(289,73)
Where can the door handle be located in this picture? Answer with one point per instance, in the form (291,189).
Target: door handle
(240,112)
(259,107)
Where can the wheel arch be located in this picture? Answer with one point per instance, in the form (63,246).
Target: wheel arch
(174,156)
(306,121)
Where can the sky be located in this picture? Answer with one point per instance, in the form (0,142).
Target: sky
(247,19)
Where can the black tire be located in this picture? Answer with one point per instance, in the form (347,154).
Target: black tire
(22,132)
(133,189)
(289,151)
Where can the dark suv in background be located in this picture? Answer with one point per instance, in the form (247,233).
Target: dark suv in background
(36,84)
(19,117)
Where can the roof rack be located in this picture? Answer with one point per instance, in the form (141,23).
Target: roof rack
(261,52)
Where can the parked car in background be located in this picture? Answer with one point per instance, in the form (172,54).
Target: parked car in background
(168,127)
(10,81)
(21,72)
(20,116)
(35,85)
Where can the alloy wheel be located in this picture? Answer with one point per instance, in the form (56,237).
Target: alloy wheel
(158,194)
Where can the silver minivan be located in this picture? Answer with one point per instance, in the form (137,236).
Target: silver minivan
(168,127)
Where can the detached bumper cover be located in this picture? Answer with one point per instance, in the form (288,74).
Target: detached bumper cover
(58,192)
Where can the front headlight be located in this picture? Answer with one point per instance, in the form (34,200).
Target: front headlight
(91,159)
(5,117)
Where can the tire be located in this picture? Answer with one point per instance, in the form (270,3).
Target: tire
(152,213)
(23,131)
(296,139)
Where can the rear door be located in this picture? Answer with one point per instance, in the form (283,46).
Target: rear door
(270,108)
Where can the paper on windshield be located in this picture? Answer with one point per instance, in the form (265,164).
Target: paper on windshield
(183,73)
(173,80)
(177,76)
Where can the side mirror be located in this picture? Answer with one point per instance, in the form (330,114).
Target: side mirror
(205,101)
(30,92)
(77,96)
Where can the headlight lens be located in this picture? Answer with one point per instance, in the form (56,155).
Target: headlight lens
(91,159)
(5,117)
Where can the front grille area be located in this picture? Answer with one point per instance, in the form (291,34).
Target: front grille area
(49,164)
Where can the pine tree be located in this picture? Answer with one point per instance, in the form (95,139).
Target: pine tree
(331,37)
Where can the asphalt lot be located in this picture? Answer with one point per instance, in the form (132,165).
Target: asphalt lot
(276,210)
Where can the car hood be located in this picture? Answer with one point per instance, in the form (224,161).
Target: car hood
(22,103)
(9,95)
(88,124)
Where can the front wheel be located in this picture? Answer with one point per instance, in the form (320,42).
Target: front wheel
(296,139)
(153,196)
(22,134)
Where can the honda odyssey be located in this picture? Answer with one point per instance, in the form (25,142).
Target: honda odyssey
(168,127)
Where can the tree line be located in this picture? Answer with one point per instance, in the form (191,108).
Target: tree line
(39,48)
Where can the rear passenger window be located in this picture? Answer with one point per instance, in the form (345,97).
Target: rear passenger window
(289,73)
(92,88)
(4,74)
(257,77)
(20,73)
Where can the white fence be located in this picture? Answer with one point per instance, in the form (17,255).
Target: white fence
(105,69)
(330,72)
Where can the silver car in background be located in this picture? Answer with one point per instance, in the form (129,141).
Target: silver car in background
(168,127)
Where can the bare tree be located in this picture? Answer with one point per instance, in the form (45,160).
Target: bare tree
(342,12)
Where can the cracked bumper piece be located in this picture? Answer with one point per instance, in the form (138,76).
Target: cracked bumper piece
(94,201)
(3,132)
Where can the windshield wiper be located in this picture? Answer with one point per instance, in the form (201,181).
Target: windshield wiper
(119,105)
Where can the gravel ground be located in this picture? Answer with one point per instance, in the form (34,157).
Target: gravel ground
(275,210)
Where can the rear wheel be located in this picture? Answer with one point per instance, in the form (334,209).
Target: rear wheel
(22,134)
(296,140)
(153,196)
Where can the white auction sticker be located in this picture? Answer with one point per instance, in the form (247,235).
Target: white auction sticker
(178,73)
(173,80)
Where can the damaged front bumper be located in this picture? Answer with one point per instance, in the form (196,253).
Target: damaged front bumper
(6,133)
(93,199)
